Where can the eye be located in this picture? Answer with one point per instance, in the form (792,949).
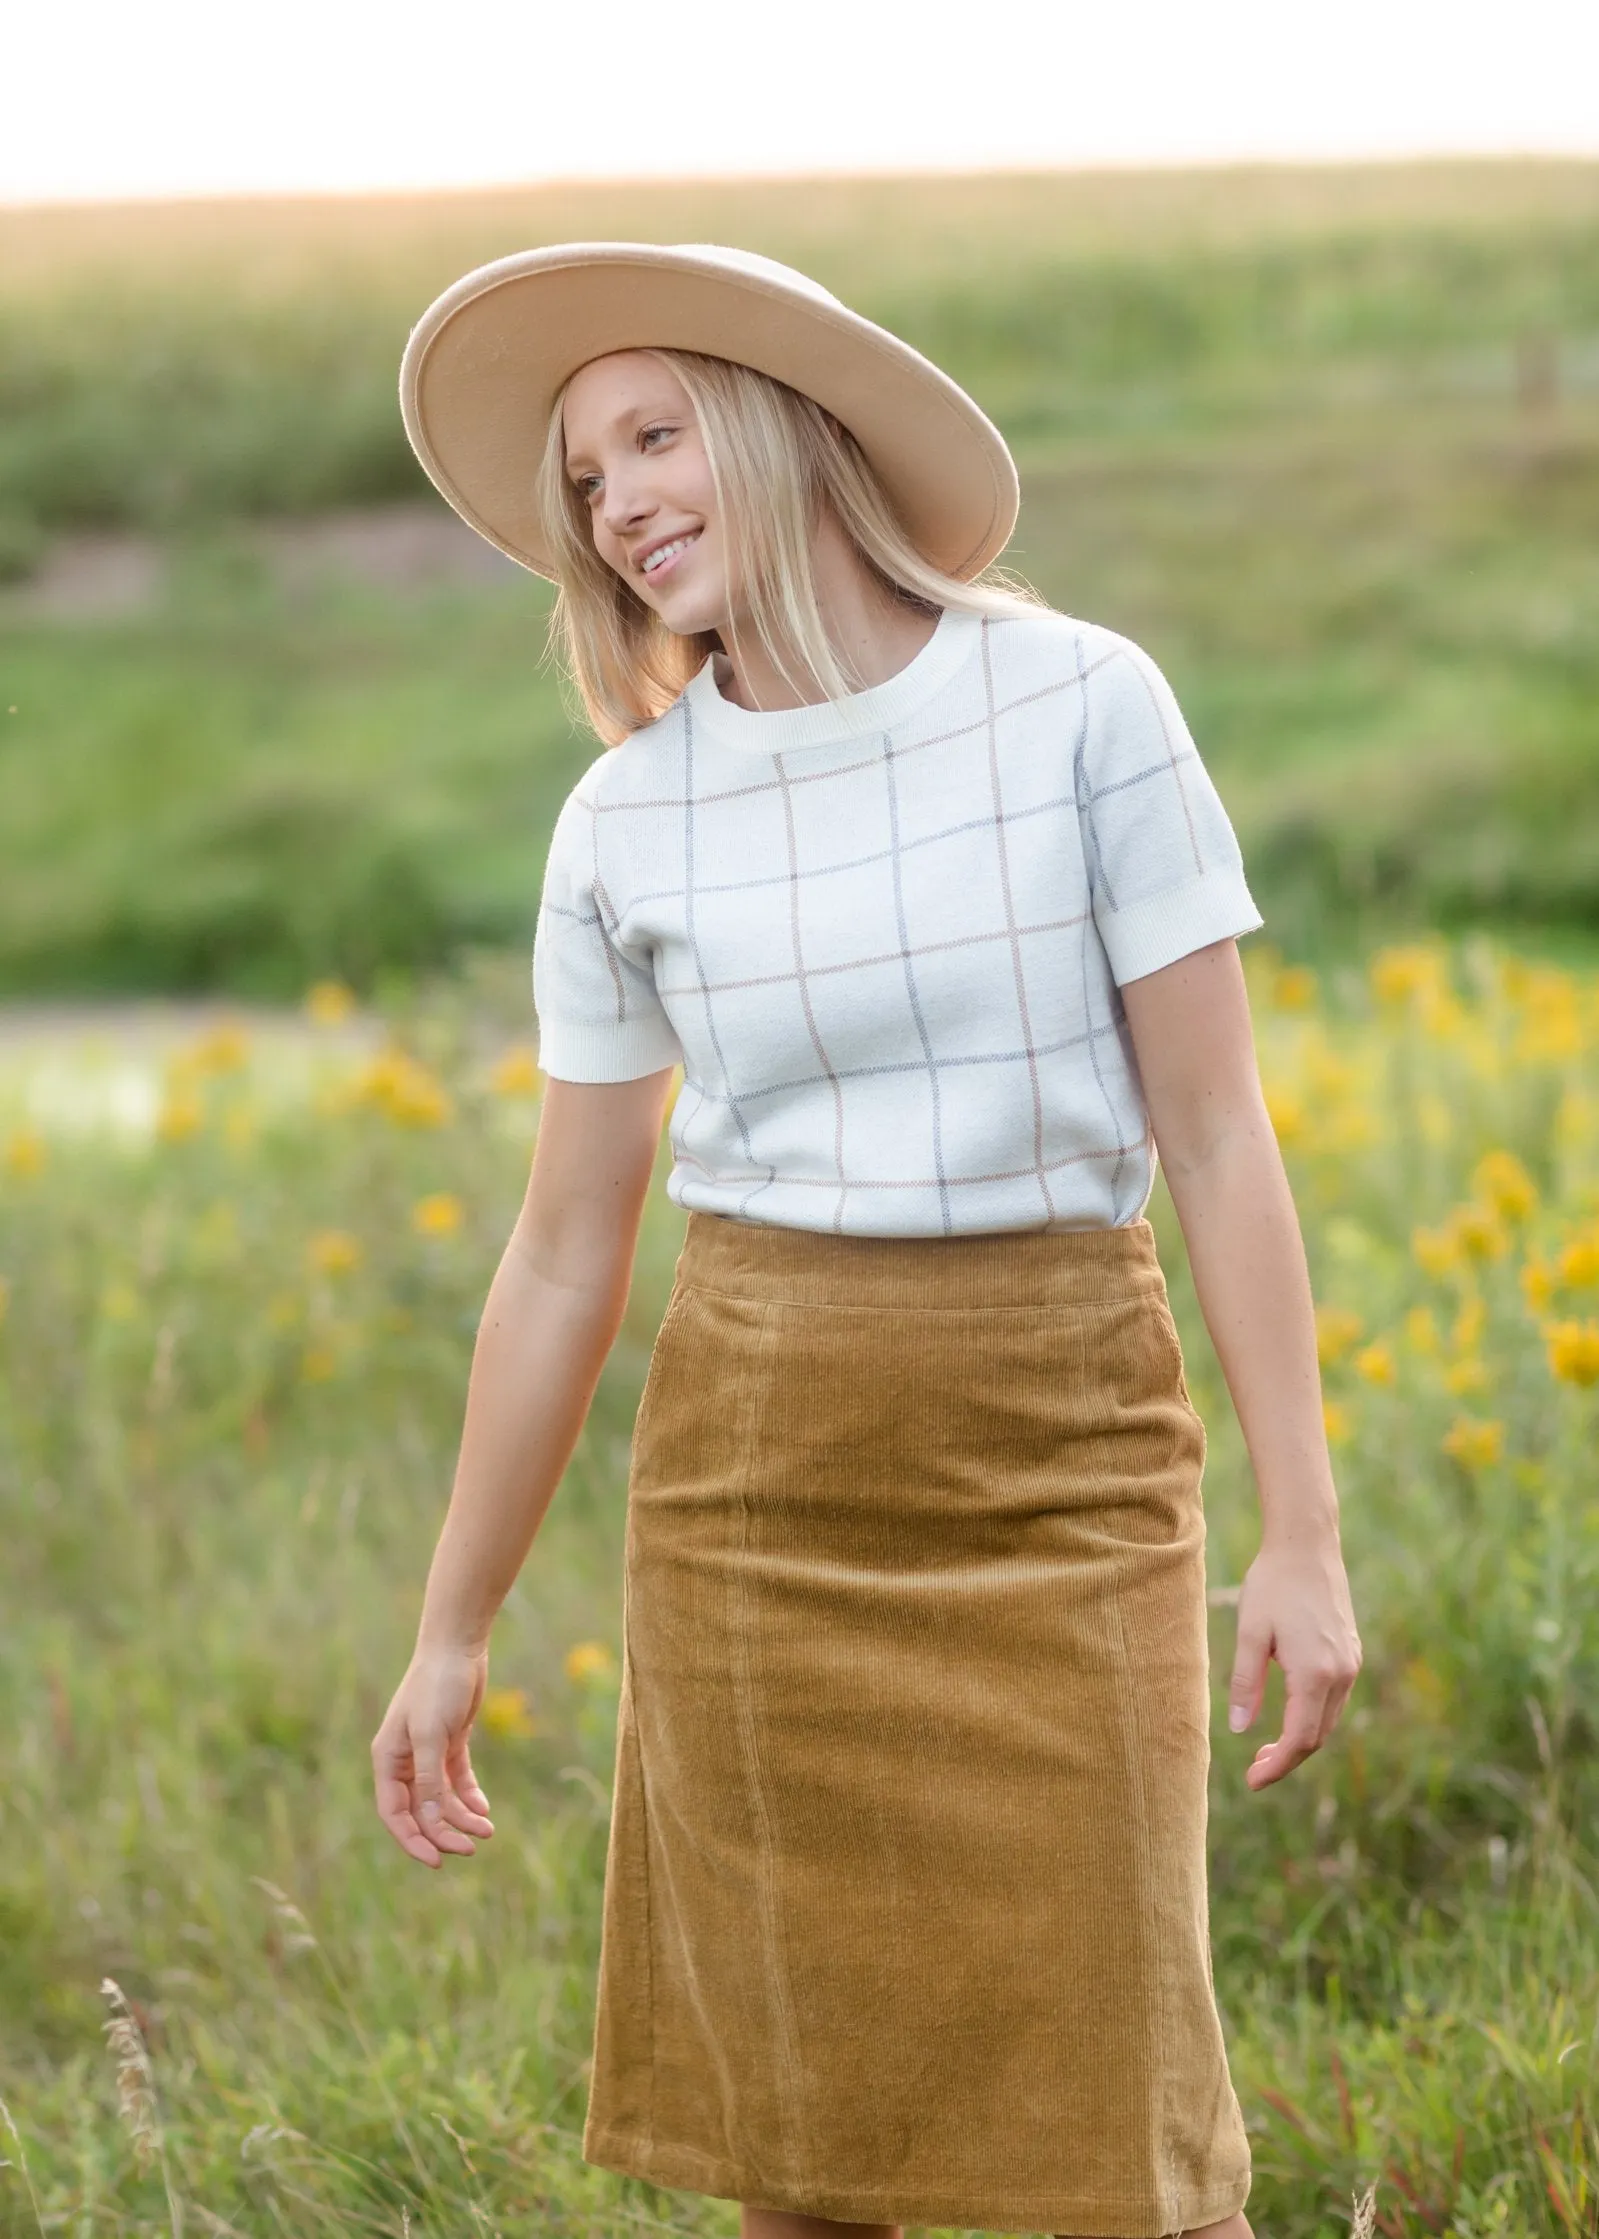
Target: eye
(586,485)
(659,427)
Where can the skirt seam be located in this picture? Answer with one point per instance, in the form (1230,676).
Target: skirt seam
(767,1886)
(1140,1776)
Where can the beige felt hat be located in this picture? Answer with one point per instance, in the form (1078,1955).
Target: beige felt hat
(486,361)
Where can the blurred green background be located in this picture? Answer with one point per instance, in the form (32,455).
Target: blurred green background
(1327,441)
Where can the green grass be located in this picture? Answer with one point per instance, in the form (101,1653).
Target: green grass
(221,1475)
(1380,624)
(1326,441)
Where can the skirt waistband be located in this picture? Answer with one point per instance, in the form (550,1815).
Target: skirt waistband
(1022,1267)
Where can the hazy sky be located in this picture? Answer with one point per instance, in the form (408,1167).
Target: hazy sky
(180,97)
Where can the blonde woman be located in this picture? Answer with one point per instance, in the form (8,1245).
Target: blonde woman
(927,891)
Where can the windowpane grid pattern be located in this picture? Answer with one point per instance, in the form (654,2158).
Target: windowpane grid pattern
(888,957)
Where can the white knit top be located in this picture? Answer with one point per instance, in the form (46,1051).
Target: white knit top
(884,936)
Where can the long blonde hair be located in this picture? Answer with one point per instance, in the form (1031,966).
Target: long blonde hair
(775,457)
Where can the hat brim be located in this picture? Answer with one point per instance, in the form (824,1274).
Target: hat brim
(486,361)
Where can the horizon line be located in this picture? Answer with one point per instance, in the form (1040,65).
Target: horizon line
(835,174)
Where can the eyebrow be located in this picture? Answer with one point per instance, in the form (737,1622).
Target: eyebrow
(621,419)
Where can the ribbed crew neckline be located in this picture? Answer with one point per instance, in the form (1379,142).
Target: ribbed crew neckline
(849,721)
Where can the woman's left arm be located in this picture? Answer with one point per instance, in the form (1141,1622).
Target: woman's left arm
(1191,1030)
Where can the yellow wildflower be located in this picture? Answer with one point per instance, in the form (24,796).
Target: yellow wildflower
(1336,1330)
(1481,1230)
(1286,1113)
(504,1713)
(439,1215)
(1336,1421)
(1574,1117)
(1428,1691)
(590,1659)
(333,1251)
(25,1153)
(1573,1351)
(1293,988)
(1475,1443)
(1579,1263)
(222,1049)
(1469,1323)
(181,1116)
(517,1073)
(1436,1250)
(1376,1364)
(1503,1182)
(329,1003)
(1537,1284)
(1400,975)
(401,1086)
(1467,1375)
(1421,1329)
(318,1363)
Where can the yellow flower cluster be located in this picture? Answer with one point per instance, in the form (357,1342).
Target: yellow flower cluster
(505,1713)
(438,1215)
(398,1085)
(590,1660)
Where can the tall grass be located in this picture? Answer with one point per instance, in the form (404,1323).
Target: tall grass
(231,1369)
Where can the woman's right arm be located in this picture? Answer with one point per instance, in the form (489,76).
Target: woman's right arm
(553,1312)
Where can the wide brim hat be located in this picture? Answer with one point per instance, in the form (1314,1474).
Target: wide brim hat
(486,361)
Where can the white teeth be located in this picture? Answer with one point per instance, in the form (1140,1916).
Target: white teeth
(667,552)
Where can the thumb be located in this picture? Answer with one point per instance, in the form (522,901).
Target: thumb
(1248,1684)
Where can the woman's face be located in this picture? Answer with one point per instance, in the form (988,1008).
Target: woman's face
(634,455)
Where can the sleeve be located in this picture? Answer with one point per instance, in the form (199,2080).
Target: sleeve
(1164,868)
(599,1015)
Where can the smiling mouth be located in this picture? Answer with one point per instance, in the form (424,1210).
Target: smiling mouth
(663,554)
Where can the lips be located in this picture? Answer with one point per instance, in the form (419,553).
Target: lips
(662,555)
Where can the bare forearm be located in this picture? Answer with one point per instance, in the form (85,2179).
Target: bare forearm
(540,1348)
(1248,1260)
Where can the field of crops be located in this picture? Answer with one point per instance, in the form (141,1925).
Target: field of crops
(238,1302)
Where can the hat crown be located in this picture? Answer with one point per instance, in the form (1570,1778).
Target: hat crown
(758,267)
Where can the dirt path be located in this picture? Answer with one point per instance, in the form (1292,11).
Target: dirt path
(416,547)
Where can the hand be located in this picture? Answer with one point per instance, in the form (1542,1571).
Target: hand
(1294,1604)
(427,1794)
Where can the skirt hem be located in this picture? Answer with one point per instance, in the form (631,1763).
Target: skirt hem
(686,2169)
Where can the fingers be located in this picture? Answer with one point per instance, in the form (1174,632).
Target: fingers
(1315,1703)
(416,1800)
(1249,1675)
(458,1766)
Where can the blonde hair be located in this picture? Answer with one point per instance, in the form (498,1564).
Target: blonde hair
(775,457)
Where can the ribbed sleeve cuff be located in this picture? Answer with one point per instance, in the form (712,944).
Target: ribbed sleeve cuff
(570,1051)
(1155,932)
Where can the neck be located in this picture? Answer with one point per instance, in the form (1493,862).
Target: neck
(873,634)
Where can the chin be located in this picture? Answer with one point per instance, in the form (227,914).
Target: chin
(688,620)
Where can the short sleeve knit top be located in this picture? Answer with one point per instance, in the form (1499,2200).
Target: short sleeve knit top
(885,937)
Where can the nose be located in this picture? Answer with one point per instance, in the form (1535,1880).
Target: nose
(626,502)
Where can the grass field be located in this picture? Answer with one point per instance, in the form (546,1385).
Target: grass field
(1327,442)
(232,1360)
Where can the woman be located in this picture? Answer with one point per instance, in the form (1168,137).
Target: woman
(928,892)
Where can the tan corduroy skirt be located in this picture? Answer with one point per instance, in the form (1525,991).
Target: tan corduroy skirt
(906,1905)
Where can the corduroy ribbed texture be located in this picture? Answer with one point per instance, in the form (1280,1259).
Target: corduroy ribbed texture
(906,1906)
